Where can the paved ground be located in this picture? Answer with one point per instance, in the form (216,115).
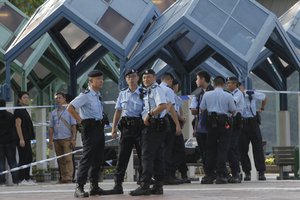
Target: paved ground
(270,189)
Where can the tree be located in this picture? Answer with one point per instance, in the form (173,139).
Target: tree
(27,6)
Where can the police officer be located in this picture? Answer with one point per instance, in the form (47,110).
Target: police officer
(200,131)
(154,116)
(220,106)
(251,133)
(91,119)
(129,106)
(175,129)
(233,153)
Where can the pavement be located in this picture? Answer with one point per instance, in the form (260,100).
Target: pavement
(262,190)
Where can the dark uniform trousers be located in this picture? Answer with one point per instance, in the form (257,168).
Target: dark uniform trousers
(201,141)
(251,133)
(234,152)
(93,151)
(168,149)
(179,161)
(218,141)
(25,157)
(153,152)
(131,137)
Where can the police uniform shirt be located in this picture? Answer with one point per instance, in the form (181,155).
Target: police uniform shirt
(238,100)
(178,103)
(170,95)
(154,96)
(61,131)
(218,101)
(248,107)
(130,103)
(89,104)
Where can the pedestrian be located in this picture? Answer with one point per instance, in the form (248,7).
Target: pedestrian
(25,133)
(8,143)
(128,115)
(91,119)
(251,133)
(220,107)
(62,134)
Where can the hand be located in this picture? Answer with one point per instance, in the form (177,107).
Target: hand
(50,145)
(114,133)
(22,143)
(178,130)
(73,143)
(146,121)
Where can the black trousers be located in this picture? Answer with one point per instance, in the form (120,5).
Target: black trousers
(251,133)
(152,155)
(25,157)
(168,150)
(130,137)
(234,152)
(8,151)
(93,152)
(218,141)
(201,141)
(178,154)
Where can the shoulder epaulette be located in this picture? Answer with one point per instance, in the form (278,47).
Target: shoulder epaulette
(154,86)
(125,88)
(226,91)
(86,91)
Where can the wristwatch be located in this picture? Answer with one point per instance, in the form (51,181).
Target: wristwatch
(149,114)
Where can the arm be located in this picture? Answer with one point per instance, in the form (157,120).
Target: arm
(263,104)
(74,114)
(116,119)
(50,138)
(155,111)
(19,132)
(175,119)
(74,134)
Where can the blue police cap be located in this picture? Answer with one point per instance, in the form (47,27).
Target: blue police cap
(95,73)
(232,78)
(130,71)
(149,71)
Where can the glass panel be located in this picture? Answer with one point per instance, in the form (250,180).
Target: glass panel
(9,43)
(250,16)
(25,55)
(9,17)
(163,5)
(237,36)
(283,62)
(115,25)
(185,45)
(296,28)
(5,35)
(73,35)
(91,51)
(41,71)
(226,6)
(209,16)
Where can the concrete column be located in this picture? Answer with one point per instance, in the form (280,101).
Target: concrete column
(284,128)
(299,127)
(41,145)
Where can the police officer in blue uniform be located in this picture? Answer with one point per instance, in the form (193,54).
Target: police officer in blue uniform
(129,109)
(220,107)
(233,153)
(156,122)
(251,133)
(91,119)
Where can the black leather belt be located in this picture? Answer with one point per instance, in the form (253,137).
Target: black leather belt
(91,120)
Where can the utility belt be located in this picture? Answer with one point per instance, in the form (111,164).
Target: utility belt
(215,120)
(131,122)
(238,121)
(91,121)
(160,124)
(250,120)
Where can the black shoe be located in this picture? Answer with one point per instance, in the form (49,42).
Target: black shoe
(144,189)
(79,192)
(221,180)
(95,189)
(118,189)
(186,180)
(235,179)
(157,189)
(247,176)
(208,180)
(261,176)
(172,181)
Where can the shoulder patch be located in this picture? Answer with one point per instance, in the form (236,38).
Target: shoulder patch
(86,91)
(154,86)
(125,88)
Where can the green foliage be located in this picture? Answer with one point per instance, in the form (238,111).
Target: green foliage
(27,6)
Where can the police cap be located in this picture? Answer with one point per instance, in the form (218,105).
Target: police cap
(232,78)
(130,71)
(95,73)
(149,71)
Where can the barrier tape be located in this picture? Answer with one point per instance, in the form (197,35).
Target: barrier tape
(45,160)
